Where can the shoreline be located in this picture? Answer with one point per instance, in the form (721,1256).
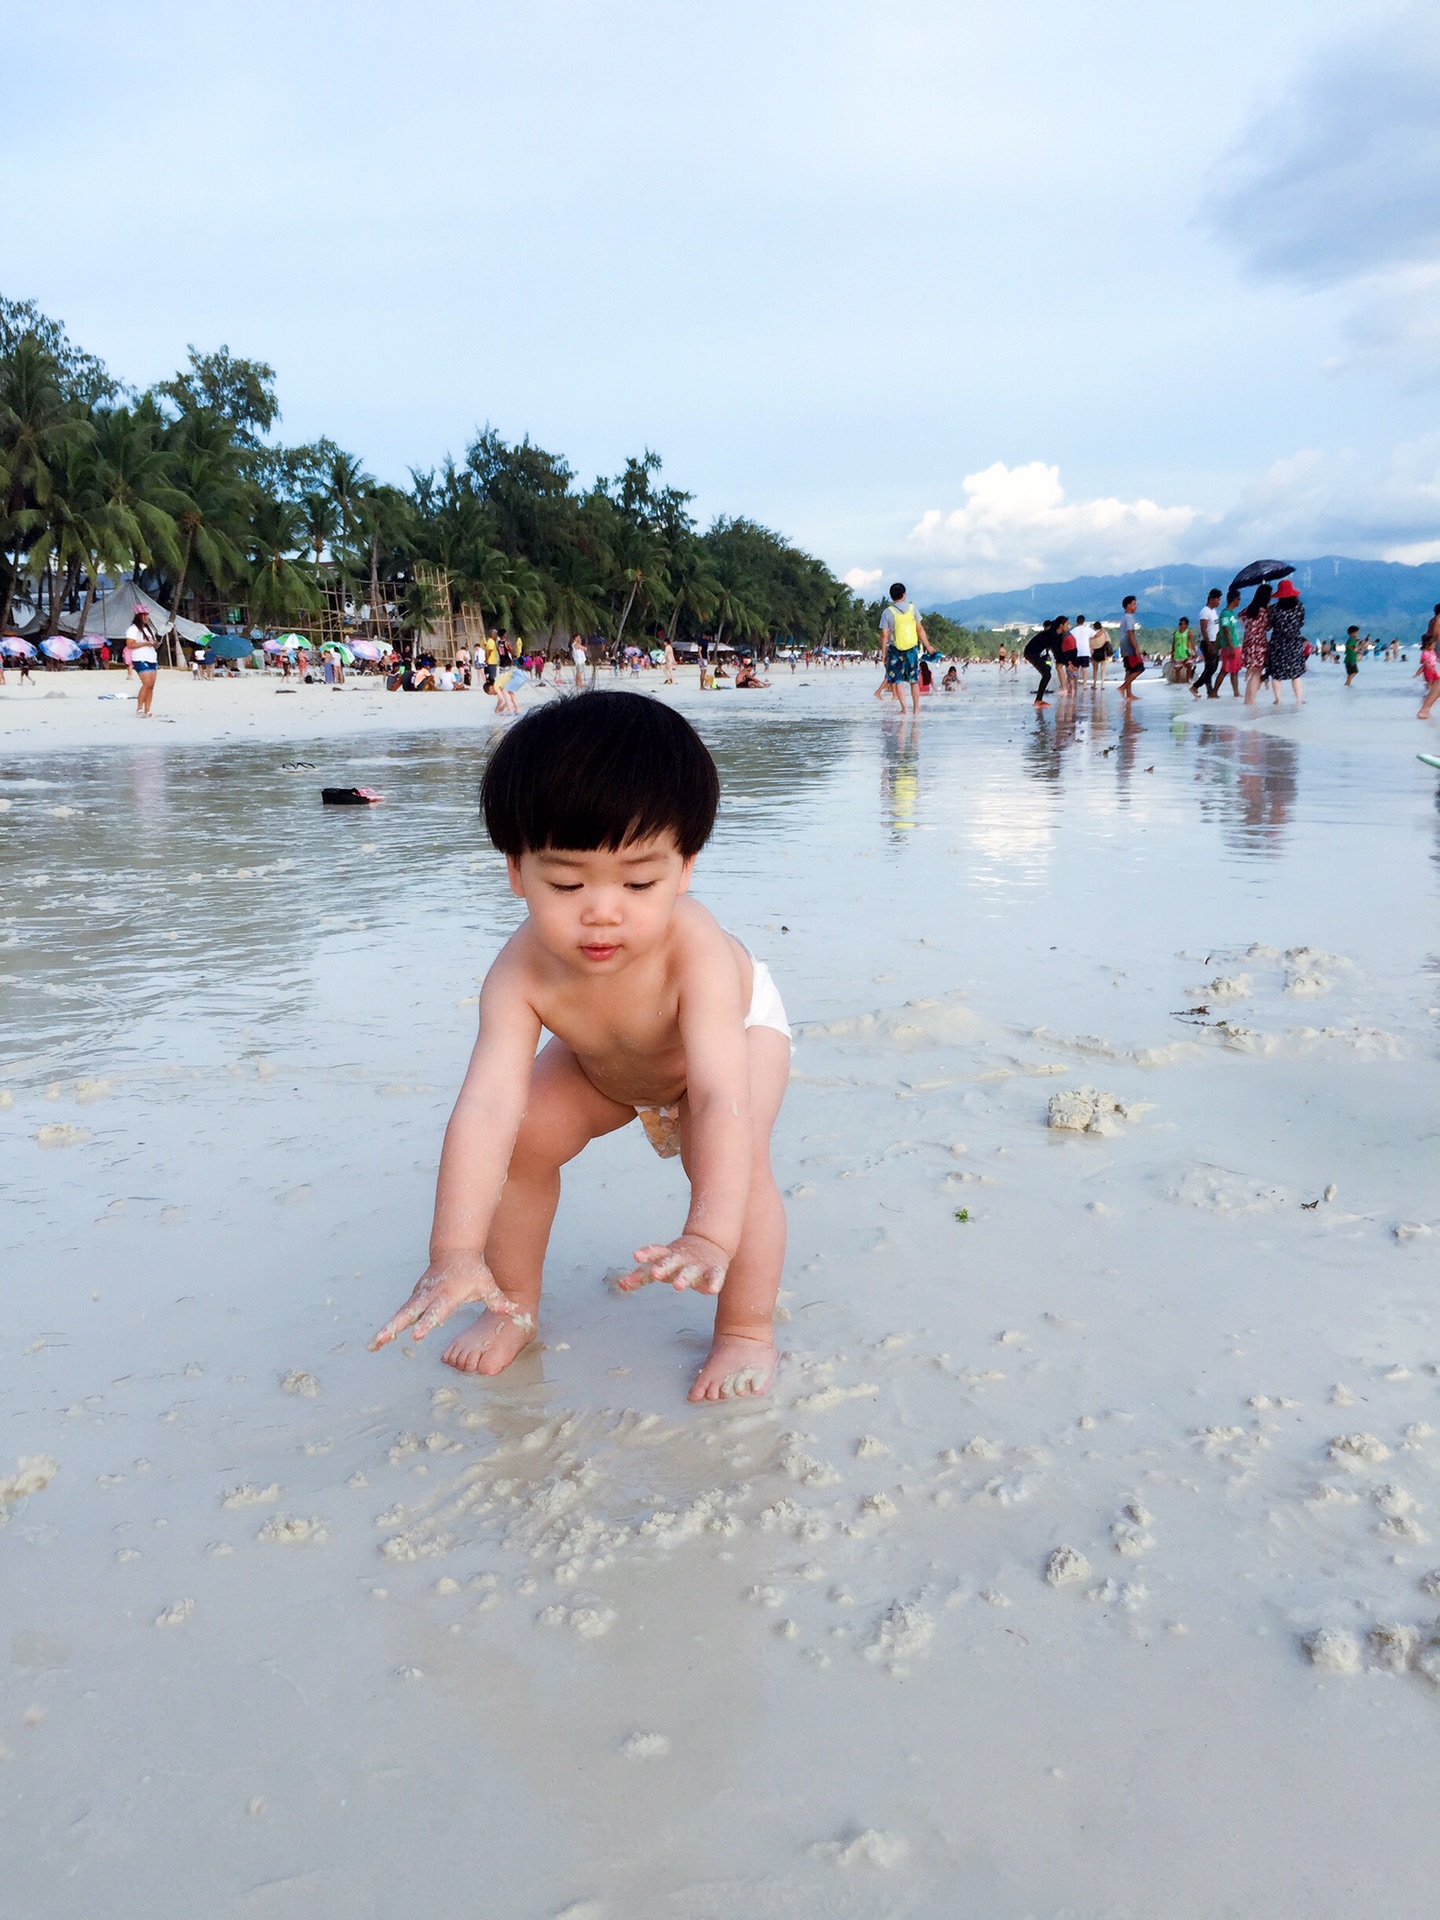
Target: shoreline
(66,713)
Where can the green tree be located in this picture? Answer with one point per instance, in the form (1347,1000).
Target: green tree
(278,584)
(39,428)
(240,391)
(210,515)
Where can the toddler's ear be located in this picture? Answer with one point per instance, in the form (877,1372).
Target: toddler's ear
(687,873)
(512,867)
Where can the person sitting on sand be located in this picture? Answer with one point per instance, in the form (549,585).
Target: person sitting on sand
(746,676)
(951,680)
(601,804)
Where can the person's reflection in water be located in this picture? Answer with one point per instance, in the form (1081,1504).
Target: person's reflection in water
(1041,755)
(1268,770)
(1132,732)
(900,776)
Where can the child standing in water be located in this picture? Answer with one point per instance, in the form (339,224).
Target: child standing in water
(1428,671)
(601,804)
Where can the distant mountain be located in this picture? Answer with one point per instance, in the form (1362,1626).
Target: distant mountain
(1382,597)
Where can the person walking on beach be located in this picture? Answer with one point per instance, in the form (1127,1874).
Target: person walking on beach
(1231,642)
(1352,655)
(1285,657)
(1065,657)
(669,661)
(1038,650)
(902,634)
(141,652)
(1209,647)
(1132,660)
(1080,659)
(1255,625)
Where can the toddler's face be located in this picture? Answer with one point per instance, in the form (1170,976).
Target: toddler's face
(599,910)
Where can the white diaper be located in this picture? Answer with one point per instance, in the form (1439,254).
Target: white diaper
(767,1009)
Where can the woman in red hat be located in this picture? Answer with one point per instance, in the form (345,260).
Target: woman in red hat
(1285,658)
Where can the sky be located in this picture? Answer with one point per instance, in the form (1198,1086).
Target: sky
(963,292)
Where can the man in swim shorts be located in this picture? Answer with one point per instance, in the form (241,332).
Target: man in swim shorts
(601,804)
(902,635)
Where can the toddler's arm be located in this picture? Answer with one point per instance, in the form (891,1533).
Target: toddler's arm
(717,1081)
(475,1158)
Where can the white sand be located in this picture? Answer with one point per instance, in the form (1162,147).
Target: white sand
(1087,1560)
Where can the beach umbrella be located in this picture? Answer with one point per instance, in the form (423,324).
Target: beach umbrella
(365,649)
(288,642)
(17,649)
(341,649)
(1258,572)
(229,646)
(277,646)
(60,649)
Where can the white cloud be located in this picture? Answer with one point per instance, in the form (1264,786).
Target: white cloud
(859,578)
(1336,183)
(1016,526)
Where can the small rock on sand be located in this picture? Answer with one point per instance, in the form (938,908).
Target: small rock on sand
(1333,1650)
(1066,1566)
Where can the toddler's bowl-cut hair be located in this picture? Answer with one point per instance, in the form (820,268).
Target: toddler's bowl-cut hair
(599,770)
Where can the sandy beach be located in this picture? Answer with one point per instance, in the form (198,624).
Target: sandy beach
(1086,1562)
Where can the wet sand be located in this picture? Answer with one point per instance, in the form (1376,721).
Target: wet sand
(1060,1575)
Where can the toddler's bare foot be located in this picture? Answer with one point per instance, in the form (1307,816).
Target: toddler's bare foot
(491,1343)
(736,1366)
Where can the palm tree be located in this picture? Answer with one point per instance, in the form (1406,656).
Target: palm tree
(571,594)
(135,482)
(211,515)
(643,578)
(693,586)
(38,427)
(321,516)
(278,585)
(421,607)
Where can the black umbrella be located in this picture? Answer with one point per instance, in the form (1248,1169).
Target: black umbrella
(1258,571)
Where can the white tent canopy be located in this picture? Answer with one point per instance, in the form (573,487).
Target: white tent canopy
(111,616)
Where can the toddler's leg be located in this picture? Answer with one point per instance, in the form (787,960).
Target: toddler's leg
(742,1355)
(565,1112)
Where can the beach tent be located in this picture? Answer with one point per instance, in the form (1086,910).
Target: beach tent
(111,616)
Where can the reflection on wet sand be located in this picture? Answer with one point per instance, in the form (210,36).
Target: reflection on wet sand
(1249,783)
(900,776)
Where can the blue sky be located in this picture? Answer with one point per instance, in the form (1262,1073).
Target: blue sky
(973,292)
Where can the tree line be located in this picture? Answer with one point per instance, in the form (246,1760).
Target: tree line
(185,487)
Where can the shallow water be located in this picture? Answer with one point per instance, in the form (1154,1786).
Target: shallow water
(251,1013)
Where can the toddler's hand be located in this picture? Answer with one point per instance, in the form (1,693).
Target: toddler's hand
(444,1286)
(689,1262)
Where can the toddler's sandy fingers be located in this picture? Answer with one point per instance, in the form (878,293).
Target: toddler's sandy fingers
(397,1323)
(431,1318)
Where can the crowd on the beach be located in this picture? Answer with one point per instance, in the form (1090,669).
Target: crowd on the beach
(1264,641)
